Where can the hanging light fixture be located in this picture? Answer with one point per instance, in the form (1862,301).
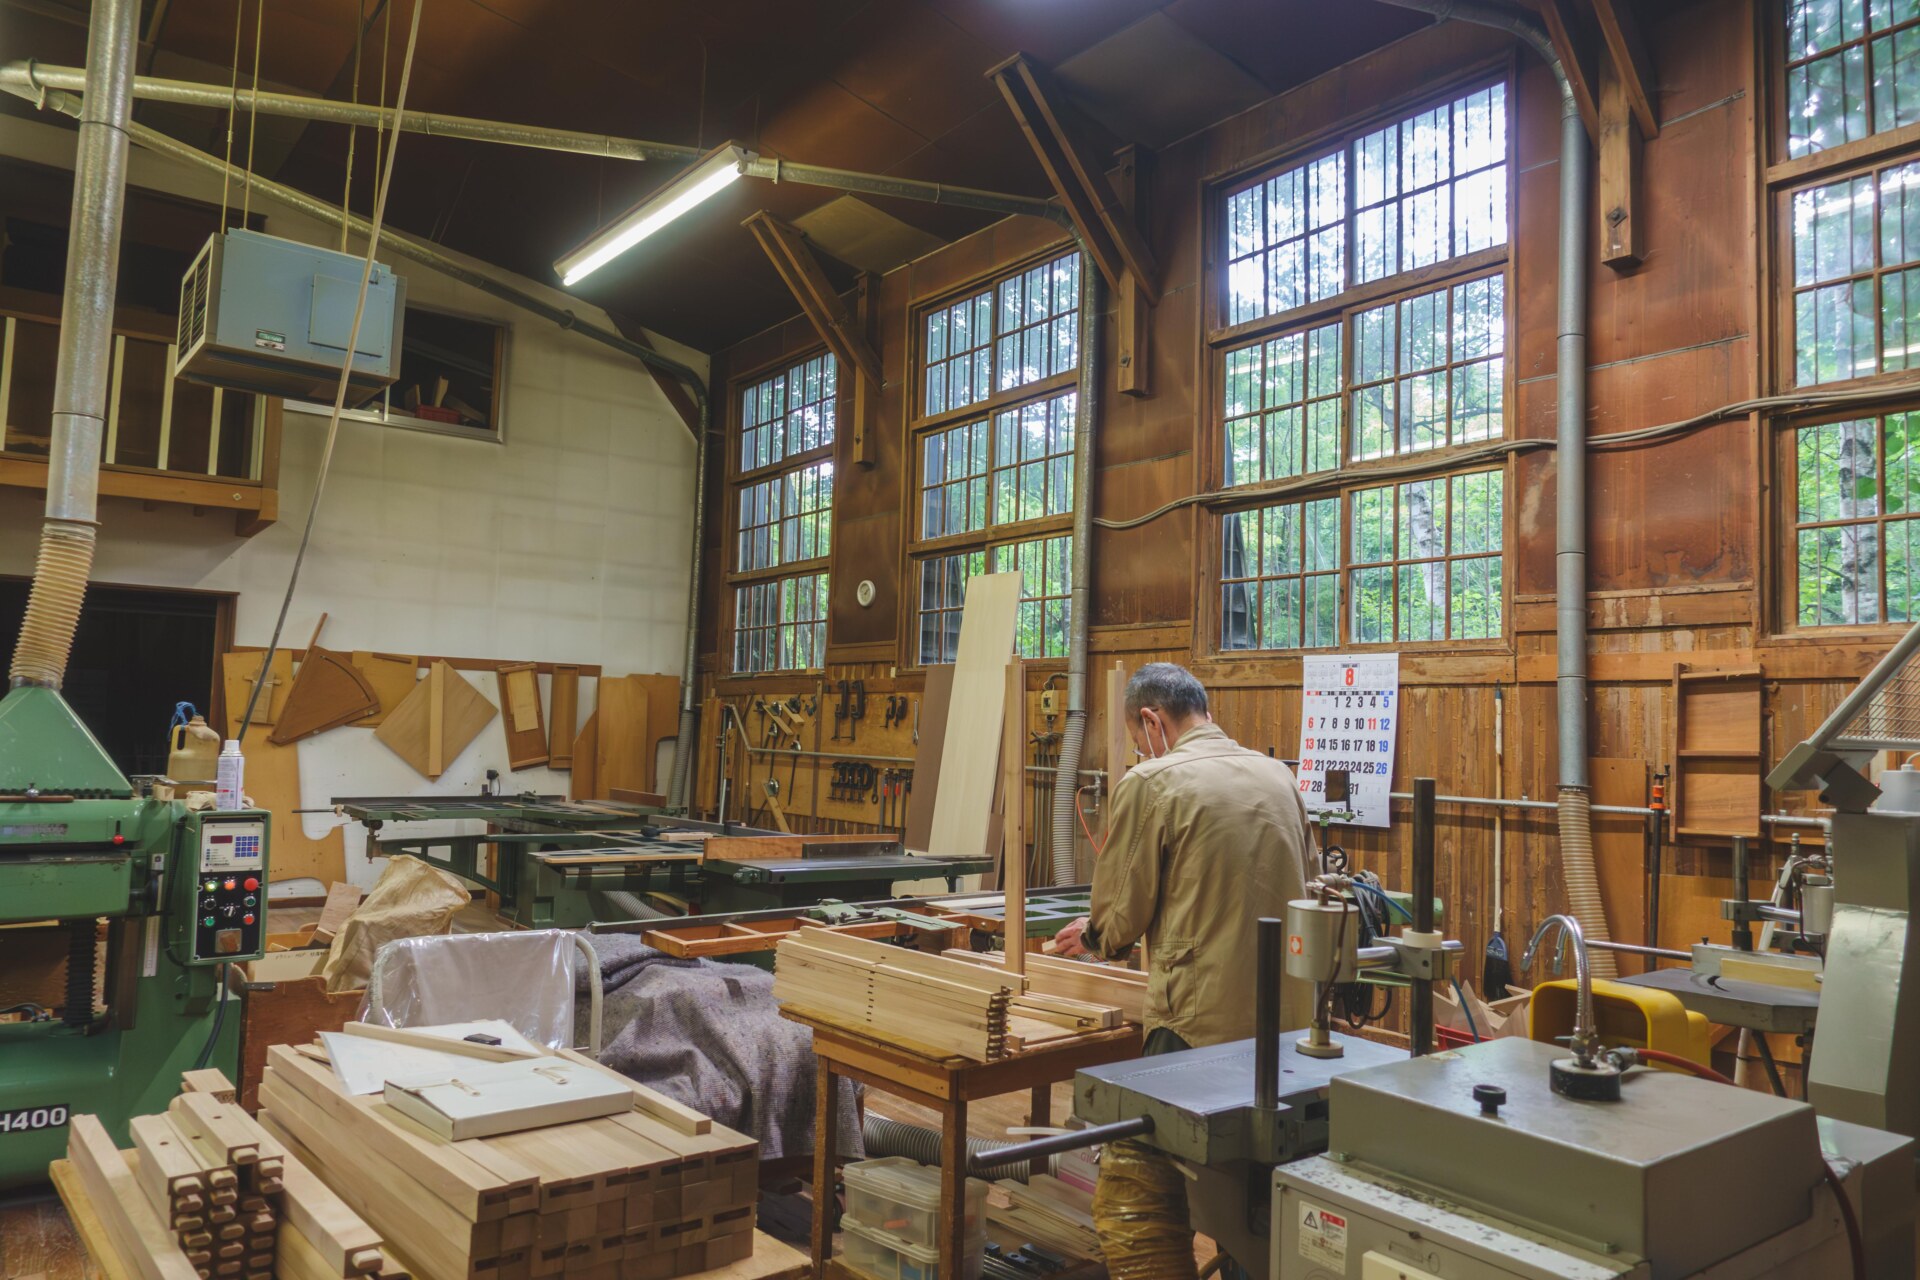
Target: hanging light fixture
(705,178)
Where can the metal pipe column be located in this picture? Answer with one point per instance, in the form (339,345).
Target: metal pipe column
(1420,1019)
(80,380)
(1073,735)
(1570,448)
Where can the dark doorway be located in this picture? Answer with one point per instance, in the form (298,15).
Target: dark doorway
(136,654)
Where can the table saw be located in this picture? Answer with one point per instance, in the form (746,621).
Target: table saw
(557,863)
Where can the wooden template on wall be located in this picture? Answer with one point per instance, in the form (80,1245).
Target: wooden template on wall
(969,759)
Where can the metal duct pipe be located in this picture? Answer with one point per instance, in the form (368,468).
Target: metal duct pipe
(80,375)
(1073,734)
(683,744)
(428,256)
(33,77)
(1570,449)
(190,93)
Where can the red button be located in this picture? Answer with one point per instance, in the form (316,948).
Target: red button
(229,884)
(119,839)
(252,884)
(246,919)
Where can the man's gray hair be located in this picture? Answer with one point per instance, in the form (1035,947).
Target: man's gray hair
(1168,688)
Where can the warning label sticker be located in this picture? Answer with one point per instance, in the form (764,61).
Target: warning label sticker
(1323,1237)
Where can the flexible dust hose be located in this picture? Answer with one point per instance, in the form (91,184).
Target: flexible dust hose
(1583,878)
(1073,735)
(1140,1213)
(884,1137)
(80,381)
(53,609)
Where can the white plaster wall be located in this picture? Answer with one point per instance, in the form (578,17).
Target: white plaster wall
(570,542)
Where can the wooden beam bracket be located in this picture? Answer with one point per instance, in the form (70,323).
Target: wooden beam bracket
(843,332)
(1078,178)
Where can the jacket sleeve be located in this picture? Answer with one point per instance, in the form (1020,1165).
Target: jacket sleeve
(1126,878)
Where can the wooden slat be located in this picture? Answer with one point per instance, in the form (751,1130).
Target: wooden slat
(800,271)
(1573,40)
(968,770)
(143,1240)
(680,1118)
(1619,176)
(1631,63)
(563,725)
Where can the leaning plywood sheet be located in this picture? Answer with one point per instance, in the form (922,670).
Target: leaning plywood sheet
(328,692)
(585,784)
(435,722)
(392,676)
(273,783)
(239,671)
(970,757)
(622,751)
(566,712)
(521,713)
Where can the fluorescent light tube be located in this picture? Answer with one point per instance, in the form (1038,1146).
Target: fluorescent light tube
(706,178)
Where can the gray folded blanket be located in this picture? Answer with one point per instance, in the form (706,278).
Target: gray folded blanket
(709,1035)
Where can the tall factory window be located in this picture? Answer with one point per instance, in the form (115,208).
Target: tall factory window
(1855,280)
(994,450)
(1852,69)
(1855,498)
(782,517)
(1418,191)
(1362,327)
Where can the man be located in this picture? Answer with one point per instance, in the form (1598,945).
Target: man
(1204,837)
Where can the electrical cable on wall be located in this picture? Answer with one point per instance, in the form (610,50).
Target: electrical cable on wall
(346,373)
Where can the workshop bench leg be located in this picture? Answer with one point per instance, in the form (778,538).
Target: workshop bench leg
(825,1092)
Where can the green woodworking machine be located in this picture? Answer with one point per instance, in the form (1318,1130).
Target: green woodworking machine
(182,893)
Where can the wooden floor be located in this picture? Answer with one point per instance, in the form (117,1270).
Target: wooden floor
(36,1239)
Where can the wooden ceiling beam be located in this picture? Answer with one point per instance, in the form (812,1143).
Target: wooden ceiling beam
(845,333)
(1621,31)
(1077,177)
(801,272)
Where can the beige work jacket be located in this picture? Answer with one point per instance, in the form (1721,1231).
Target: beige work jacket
(1203,841)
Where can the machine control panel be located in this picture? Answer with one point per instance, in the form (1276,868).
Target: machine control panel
(230,889)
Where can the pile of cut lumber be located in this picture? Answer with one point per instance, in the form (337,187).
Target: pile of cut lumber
(652,1193)
(207,1193)
(1100,984)
(1047,1212)
(946,1006)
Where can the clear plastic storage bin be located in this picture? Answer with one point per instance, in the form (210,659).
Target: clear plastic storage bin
(882,1256)
(900,1198)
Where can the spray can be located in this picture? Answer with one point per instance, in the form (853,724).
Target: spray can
(232,777)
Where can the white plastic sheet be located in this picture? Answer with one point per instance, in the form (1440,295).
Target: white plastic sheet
(526,979)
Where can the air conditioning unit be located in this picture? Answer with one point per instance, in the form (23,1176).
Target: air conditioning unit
(273,316)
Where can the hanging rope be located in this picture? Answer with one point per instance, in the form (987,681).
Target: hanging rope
(253,115)
(233,107)
(353,131)
(384,186)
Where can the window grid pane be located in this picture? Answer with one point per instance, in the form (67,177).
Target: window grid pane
(1279,576)
(1427,560)
(791,412)
(1033,460)
(1282,406)
(1851,70)
(1287,240)
(1856,276)
(953,480)
(943,591)
(1855,537)
(1038,331)
(1430,370)
(781,625)
(1432,187)
(1046,571)
(786,519)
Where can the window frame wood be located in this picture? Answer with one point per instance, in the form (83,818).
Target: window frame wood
(916,549)
(737,480)
(1778,64)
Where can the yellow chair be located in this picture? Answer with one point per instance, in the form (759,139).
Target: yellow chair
(1624,1015)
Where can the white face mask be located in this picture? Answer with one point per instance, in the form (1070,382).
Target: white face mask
(1152,752)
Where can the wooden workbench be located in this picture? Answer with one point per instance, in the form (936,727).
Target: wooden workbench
(944,1085)
(771,1260)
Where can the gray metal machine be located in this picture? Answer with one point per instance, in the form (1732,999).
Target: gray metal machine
(1866,1067)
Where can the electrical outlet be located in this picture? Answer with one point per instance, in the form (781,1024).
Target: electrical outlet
(1049,702)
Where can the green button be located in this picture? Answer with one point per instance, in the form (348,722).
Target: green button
(209,922)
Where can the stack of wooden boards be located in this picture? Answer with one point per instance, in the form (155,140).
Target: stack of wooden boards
(207,1193)
(947,1006)
(1106,984)
(1047,1212)
(652,1193)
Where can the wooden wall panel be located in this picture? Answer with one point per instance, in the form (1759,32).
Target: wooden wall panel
(1676,534)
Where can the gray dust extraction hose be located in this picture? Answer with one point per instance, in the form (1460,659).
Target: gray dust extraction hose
(683,745)
(1570,453)
(884,1137)
(65,559)
(1073,735)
